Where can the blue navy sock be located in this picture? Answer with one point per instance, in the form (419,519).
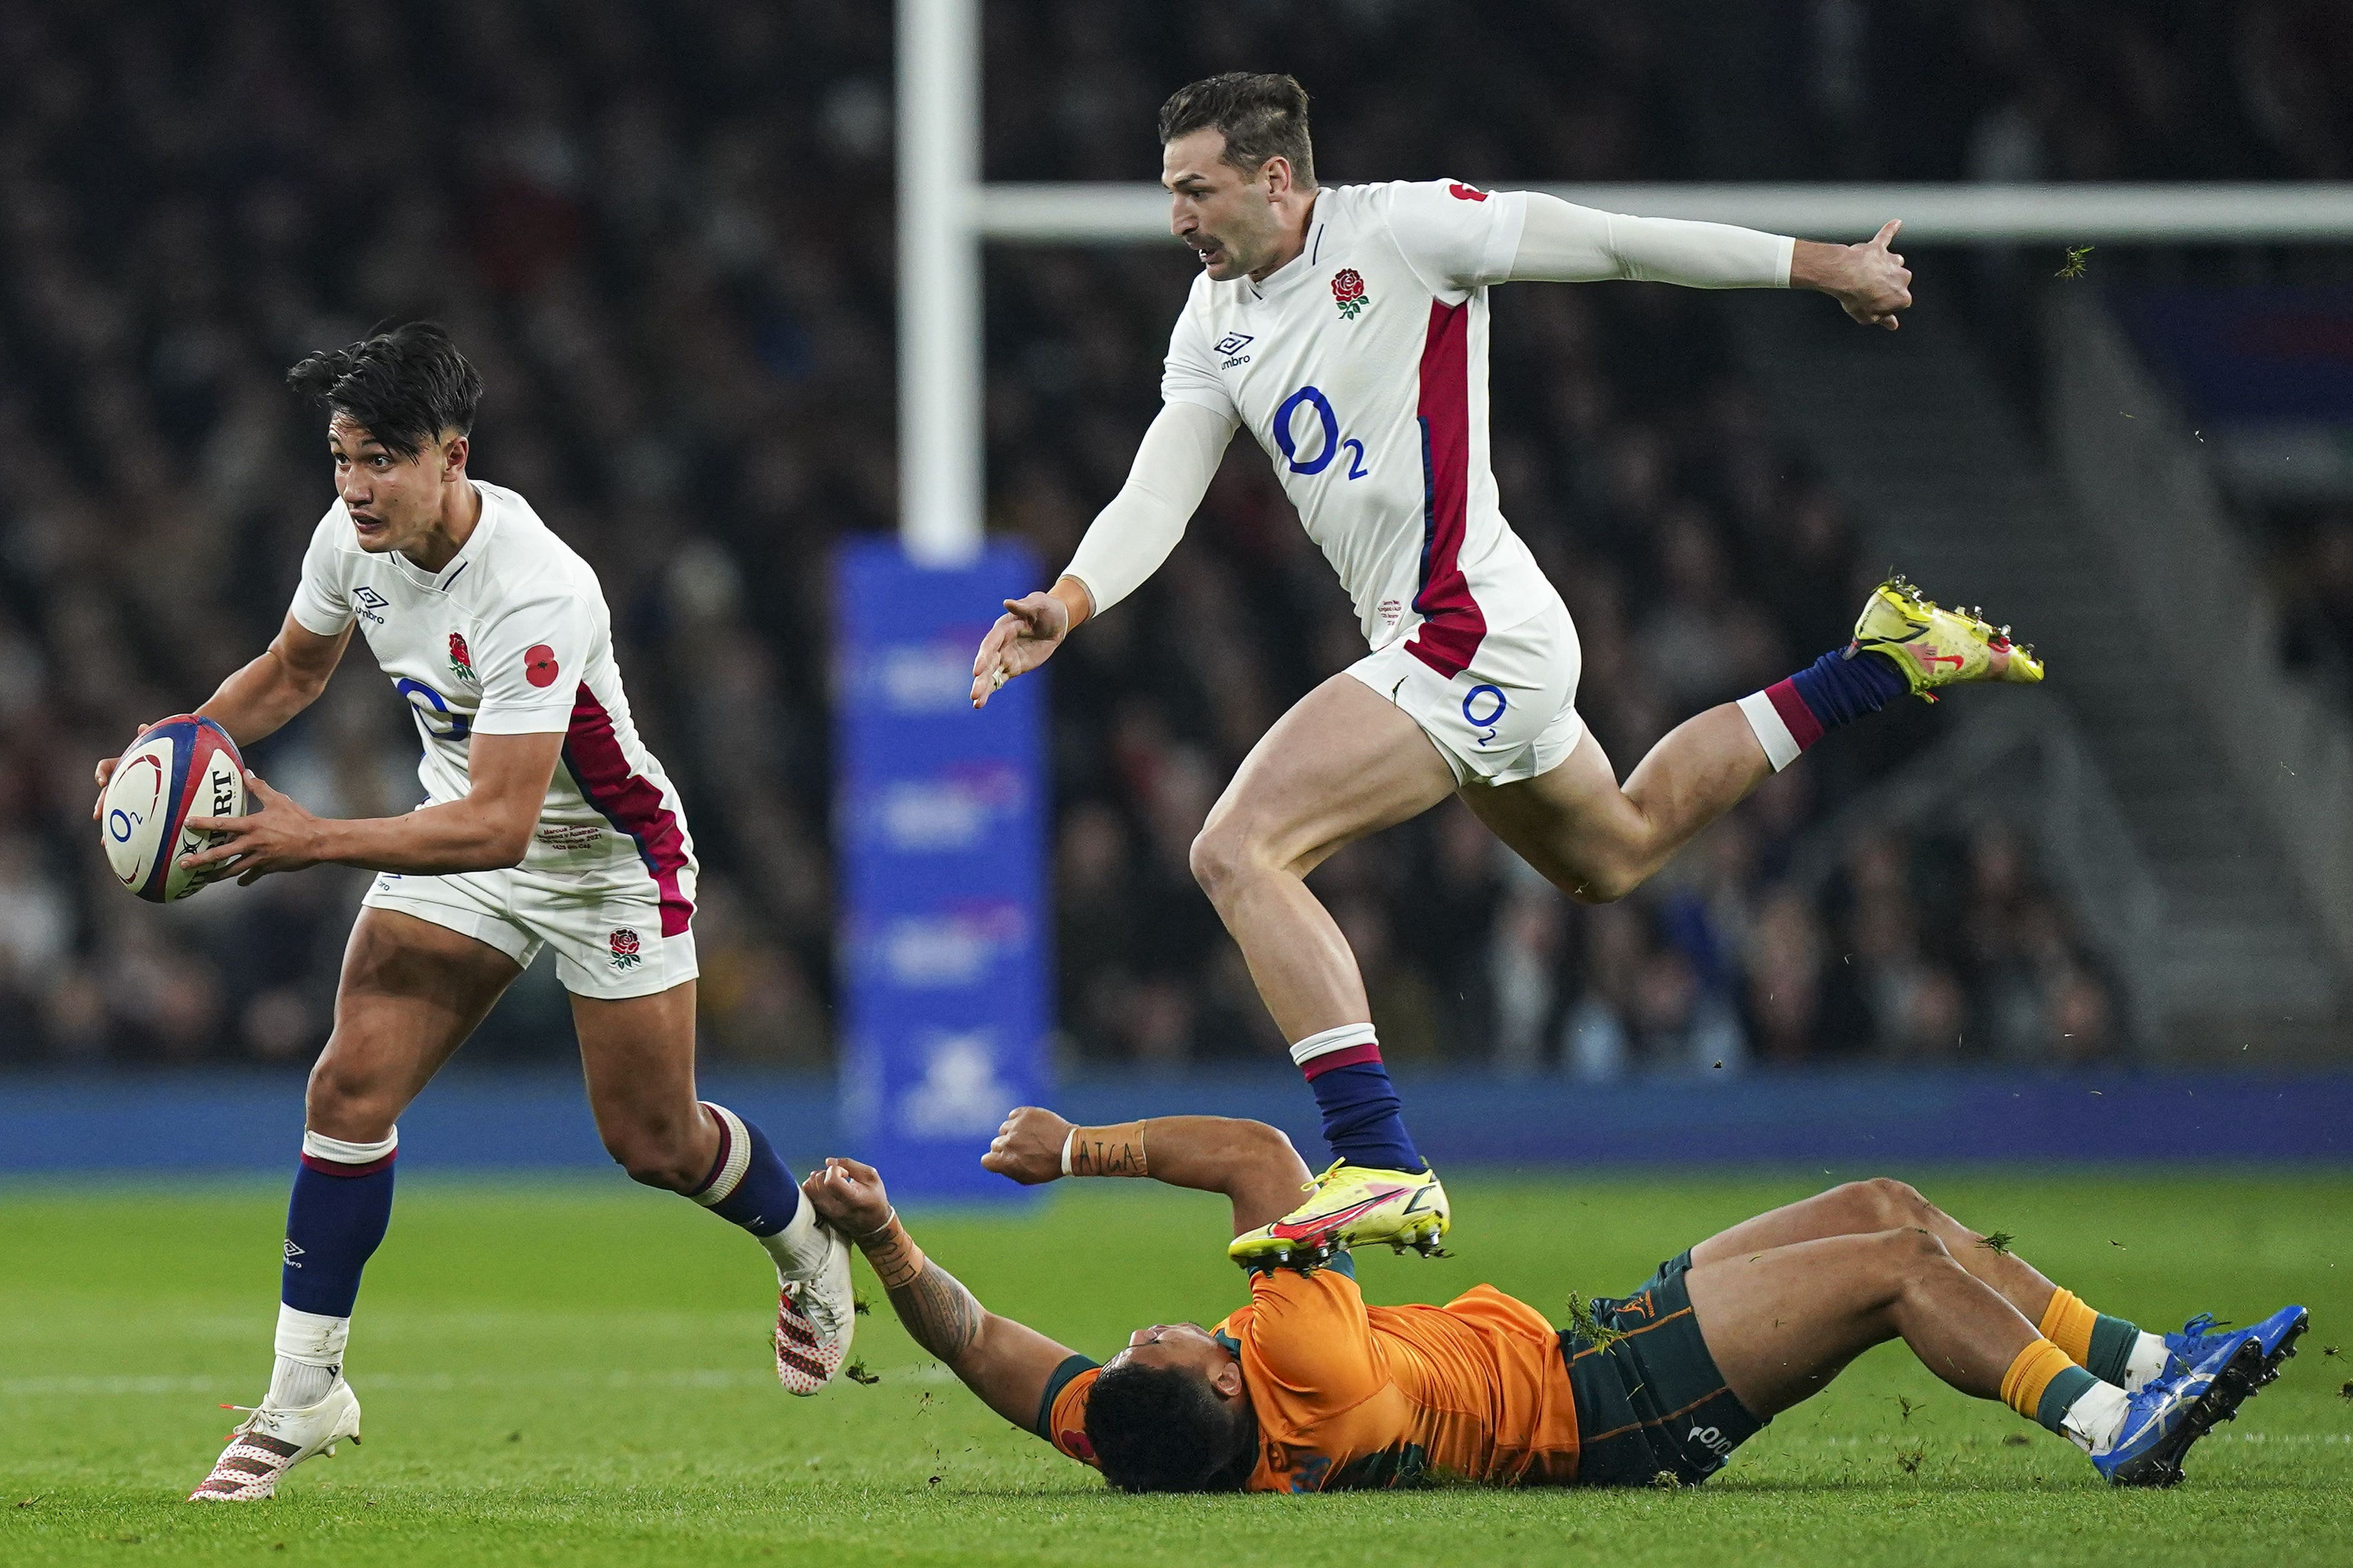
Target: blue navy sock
(748,1184)
(1839,687)
(1363,1119)
(336,1218)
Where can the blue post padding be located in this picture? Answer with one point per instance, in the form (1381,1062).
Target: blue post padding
(940,862)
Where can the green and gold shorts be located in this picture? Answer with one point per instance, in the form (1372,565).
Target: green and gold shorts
(1653,1402)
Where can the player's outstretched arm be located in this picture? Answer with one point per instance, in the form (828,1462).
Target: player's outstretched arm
(1249,1164)
(1126,545)
(258,699)
(1561,242)
(1006,1363)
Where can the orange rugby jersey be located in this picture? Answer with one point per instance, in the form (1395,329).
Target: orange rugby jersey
(1352,1395)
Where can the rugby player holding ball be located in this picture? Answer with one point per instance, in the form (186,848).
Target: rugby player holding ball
(546,823)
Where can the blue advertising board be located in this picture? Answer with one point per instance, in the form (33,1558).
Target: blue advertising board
(939,830)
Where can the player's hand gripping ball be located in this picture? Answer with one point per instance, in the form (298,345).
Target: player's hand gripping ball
(177,768)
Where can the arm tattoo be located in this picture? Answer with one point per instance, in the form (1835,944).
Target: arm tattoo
(939,1313)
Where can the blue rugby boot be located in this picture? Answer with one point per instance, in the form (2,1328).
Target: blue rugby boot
(2198,1340)
(2171,1414)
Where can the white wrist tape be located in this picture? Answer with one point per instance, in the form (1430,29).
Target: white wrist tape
(1069,1139)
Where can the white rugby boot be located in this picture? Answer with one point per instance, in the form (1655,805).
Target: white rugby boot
(817,1316)
(269,1443)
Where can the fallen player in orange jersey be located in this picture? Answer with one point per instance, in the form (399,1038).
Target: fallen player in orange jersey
(1307,1388)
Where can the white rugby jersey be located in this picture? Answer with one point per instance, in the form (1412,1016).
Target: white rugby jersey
(511,637)
(1361,368)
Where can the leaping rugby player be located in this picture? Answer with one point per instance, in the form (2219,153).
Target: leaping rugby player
(546,823)
(1309,1389)
(1346,330)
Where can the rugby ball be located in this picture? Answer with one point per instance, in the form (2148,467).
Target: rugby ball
(179,767)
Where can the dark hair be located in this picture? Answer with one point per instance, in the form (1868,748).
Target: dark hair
(404,387)
(1263,115)
(1157,1429)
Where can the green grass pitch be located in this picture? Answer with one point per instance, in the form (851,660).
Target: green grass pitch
(576,1374)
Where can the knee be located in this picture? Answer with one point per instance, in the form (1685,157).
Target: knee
(1223,855)
(1912,1253)
(654,1159)
(1885,1204)
(342,1100)
(1605,884)
(653,1162)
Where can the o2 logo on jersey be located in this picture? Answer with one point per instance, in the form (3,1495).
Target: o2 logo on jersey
(1479,696)
(433,710)
(1326,449)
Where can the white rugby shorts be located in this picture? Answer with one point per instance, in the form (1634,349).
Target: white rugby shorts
(1511,716)
(601,910)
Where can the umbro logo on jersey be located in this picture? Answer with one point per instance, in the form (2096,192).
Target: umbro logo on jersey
(1232,346)
(369,602)
(292,1252)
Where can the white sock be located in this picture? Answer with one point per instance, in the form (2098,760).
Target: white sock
(2096,1420)
(801,1245)
(2147,1363)
(310,1358)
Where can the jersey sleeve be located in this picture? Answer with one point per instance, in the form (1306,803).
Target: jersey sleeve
(530,660)
(1189,374)
(1062,1410)
(1310,1334)
(320,602)
(1456,238)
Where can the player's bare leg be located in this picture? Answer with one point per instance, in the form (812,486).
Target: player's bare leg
(2114,1349)
(1342,764)
(637,1056)
(411,992)
(1597,842)
(1780,1323)
(638,1053)
(1783,1322)
(1862,1208)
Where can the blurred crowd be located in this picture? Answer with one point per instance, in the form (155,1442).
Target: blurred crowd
(664,234)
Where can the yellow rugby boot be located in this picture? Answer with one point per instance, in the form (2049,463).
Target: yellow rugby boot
(1935,647)
(1353,1205)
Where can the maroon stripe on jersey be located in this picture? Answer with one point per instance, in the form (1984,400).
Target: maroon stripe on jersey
(629,803)
(1452,625)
